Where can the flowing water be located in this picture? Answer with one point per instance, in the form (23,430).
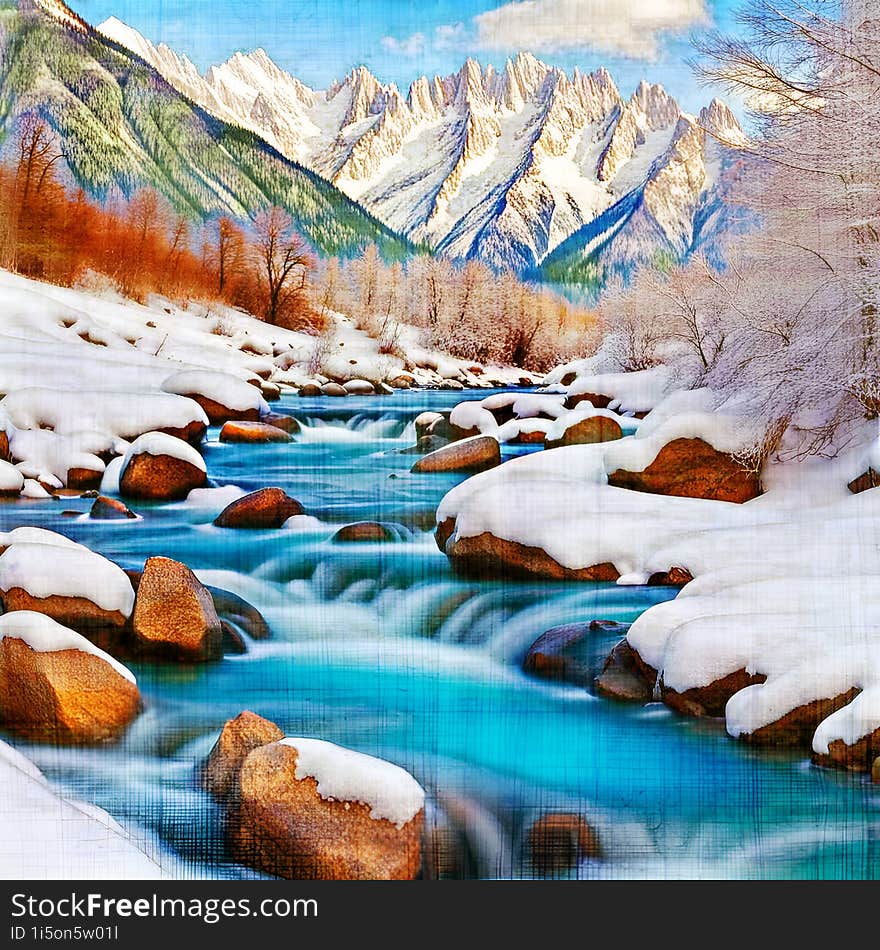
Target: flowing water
(381,648)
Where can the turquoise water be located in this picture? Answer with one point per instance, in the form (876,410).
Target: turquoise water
(381,648)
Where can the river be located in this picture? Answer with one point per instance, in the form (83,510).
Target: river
(381,648)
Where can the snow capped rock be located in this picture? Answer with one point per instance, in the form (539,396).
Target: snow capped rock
(499,165)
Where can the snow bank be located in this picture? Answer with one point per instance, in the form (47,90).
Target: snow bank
(159,443)
(67,572)
(11,479)
(629,392)
(45,836)
(855,721)
(222,388)
(343,775)
(118,414)
(47,457)
(44,635)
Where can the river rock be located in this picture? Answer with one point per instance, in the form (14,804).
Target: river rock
(869,479)
(471,455)
(674,577)
(242,614)
(292,825)
(587,432)
(57,687)
(859,756)
(424,421)
(286,423)
(402,382)
(559,841)
(217,413)
(271,392)
(710,700)
(238,738)
(359,387)
(110,509)
(333,389)
(571,653)
(621,677)
(163,469)
(193,432)
(692,468)
(84,479)
(364,532)
(174,614)
(266,509)
(310,390)
(797,726)
(486,556)
(598,400)
(442,428)
(252,432)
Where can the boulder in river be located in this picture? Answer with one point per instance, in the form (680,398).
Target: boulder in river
(571,653)
(476,454)
(424,421)
(622,678)
(238,738)
(309,390)
(796,726)
(857,755)
(159,467)
(266,509)
(359,387)
(692,468)
(333,389)
(110,509)
(559,841)
(84,479)
(364,532)
(286,423)
(57,687)
(174,614)
(311,810)
(252,432)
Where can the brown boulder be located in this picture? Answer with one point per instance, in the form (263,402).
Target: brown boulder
(238,738)
(193,432)
(424,421)
(160,477)
(333,389)
(859,756)
(310,390)
(869,479)
(674,577)
(266,509)
(442,428)
(217,413)
(488,556)
(66,697)
(286,423)
(84,479)
(710,700)
(692,468)
(248,432)
(4,446)
(284,827)
(174,614)
(558,841)
(798,725)
(621,677)
(587,432)
(76,612)
(598,400)
(110,509)
(473,455)
(363,532)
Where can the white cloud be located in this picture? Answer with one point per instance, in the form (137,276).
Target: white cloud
(452,36)
(623,27)
(409,46)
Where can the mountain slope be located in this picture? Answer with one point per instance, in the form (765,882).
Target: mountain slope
(501,166)
(685,205)
(121,126)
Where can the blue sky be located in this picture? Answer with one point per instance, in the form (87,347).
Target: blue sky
(321,40)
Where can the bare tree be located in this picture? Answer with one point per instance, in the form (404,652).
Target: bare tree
(284,265)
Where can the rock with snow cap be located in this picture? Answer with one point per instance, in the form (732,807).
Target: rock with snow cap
(312,810)
(238,738)
(56,686)
(160,467)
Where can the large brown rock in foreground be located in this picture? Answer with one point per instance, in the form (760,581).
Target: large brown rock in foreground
(265,509)
(491,557)
(283,826)
(65,697)
(692,468)
(174,614)
(238,738)
(471,455)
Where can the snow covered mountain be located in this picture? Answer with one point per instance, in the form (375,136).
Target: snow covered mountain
(502,166)
(121,126)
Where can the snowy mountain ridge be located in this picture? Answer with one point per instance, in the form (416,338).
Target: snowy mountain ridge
(503,166)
